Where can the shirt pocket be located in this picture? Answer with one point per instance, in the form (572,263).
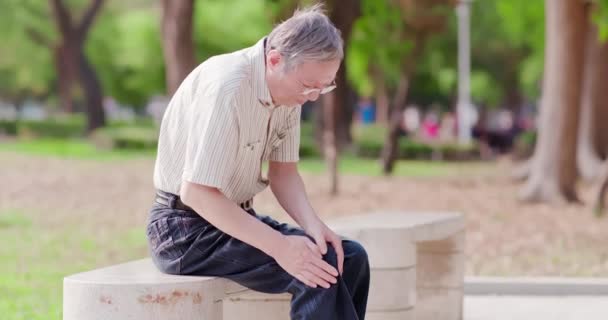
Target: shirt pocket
(276,139)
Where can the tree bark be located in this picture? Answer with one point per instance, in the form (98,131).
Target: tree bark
(330,148)
(65,76)
(343,14)
(93,92)
(601,118)
(593,98)
(553,175)
(390,151)
(338,105)
(178,43)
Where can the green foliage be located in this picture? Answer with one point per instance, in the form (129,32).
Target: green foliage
(225,26)
(377,41)
(26,68)
(59,127)
(126,138)
(125,47)
(600,17)
(308,147)
(524,145)
(522,25)
(8,127)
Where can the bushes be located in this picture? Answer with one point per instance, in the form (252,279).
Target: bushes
(63,127)
(369,141)
(126,138)
(524,145)
(8,127)
(308,146)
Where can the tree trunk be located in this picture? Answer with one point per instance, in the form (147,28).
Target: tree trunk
(601,117)
(338,105)
(593,98)
(330,148)
(343,14)
(178,43)
(553,174)
(93,92)
(390,151)
(64,66)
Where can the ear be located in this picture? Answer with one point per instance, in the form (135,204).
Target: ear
(273,58)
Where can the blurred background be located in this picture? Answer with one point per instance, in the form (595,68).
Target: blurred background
(496,109)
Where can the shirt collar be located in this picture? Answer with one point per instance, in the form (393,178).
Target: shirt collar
(258,77)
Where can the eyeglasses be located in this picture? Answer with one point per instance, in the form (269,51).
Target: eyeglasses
(308,90)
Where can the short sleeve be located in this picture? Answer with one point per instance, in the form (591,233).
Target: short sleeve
(212,143)
(289,149)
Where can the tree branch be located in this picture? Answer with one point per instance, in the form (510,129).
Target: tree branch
(88,18)
(63,18)
(38,37)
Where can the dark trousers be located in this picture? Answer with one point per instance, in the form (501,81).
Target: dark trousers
(182,242)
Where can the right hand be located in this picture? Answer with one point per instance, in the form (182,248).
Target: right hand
(301,258)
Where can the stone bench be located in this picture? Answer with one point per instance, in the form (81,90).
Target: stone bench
(417,264)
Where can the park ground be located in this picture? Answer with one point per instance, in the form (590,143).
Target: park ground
(66,208)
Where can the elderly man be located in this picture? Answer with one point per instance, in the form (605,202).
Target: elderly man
(232,113)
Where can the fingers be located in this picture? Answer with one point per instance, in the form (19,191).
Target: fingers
(322,245)
(325,267)
(322,273)
(313,247)
(315,279)
(305,280)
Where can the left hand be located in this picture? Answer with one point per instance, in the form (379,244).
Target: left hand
(323,234)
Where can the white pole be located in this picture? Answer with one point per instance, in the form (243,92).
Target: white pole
(464,71)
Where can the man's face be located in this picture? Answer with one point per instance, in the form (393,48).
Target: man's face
(308,80)
(304,81)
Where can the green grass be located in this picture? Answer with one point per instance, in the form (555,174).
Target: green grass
(69,148)
(408,168)
(349,164)
(35,259)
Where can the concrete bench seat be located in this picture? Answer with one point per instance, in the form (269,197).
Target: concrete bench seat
(417,262)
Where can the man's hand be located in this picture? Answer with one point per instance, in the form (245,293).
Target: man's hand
(323,234)
(301,258)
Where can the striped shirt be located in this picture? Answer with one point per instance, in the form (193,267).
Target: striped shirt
(221,125)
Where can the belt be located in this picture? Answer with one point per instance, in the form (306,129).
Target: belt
(174,202)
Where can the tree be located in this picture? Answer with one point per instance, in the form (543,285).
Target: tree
(71,62)
(421,20)
(553,169)
(337,105)
(178,43)
(593,104)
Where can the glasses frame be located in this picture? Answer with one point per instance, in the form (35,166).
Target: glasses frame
(324,90)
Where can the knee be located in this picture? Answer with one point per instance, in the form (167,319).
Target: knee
(355,254)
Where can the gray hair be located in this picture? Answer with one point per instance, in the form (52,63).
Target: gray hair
(308,35)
